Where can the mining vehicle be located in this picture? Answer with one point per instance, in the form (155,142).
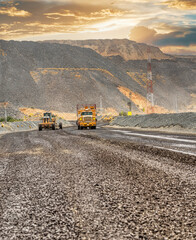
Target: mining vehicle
(86,116)
(49,121)
(107,118)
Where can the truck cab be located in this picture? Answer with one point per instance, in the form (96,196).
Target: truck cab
(86,116)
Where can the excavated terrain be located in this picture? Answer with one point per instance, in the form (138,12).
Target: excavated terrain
(54,76)
(57,185)
(58,77)
(183,121)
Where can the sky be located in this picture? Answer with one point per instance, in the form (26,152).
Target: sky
(168,24)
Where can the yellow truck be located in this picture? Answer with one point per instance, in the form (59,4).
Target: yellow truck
(86,116)
(49,121)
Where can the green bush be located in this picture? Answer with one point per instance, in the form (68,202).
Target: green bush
(123,114)
(10,119)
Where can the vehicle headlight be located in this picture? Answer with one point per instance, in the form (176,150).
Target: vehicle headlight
(81,119)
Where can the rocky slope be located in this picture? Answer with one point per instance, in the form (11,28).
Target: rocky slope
(129,50)
(173,76)
(174,80)
(182,121)
(57,77)
(54,76)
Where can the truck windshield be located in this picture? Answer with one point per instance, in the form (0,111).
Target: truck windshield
(87,113)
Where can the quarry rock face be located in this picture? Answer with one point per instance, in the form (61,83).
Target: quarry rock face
(174,80)
(55,76)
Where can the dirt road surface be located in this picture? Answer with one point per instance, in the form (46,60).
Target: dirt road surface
(63,185)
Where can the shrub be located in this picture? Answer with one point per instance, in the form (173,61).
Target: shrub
(10,119)
(123,114)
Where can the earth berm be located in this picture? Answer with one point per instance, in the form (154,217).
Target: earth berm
(183,121)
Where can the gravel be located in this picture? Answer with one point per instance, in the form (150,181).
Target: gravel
(24,126)
(54,185)
(181,120)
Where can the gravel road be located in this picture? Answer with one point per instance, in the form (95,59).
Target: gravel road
(57,185)
(177,142)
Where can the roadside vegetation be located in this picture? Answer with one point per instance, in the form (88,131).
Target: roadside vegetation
(10,119)
(123,114)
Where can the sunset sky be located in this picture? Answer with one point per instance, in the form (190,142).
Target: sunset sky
(170,25)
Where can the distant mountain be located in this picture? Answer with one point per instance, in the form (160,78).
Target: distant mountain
(128,50)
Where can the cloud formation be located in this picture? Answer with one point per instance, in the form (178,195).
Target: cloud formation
(182,4)
(14,12)
(179,37)
(104,13)
(142,34)
(55,17)
(179,40)
(162,22)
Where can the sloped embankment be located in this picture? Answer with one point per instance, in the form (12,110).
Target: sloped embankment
(59,76)
(23,126)
(186,121)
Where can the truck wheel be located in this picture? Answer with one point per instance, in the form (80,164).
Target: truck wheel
(81,128)
(78,127)
(40,127)
(53,127)
(94,127)
(60,125)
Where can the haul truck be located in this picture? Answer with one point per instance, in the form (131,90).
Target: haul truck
(86,116)
(49,121)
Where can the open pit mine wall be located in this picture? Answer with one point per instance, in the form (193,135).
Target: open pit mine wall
(173,76)
(56,76)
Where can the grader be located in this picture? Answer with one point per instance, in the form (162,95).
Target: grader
(49,121)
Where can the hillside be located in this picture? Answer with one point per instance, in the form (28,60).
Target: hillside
(174,80)
(56,77)
(128,50)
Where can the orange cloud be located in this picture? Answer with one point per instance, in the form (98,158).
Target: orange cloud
(14,12)
(182,4)
(65,13)
(104,13)
(52,19)
(142,34)
(176,41)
